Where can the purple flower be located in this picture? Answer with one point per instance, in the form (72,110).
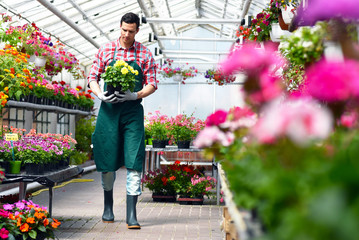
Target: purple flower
(318,10)
(8,207)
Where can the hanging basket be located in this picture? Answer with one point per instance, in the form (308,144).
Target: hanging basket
(287,15)
(177,77)
(277,32)
(40,62)
(32,58)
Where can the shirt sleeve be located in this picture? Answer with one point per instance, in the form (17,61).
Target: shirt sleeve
(97,67)
(149,70)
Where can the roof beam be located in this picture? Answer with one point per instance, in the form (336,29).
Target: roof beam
(194,39)
(68,21)
(223,15)
(143,7)
(87,18)
(193,21)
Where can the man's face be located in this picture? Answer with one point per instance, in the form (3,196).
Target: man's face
(128,32)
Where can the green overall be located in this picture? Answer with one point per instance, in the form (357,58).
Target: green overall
(118,139)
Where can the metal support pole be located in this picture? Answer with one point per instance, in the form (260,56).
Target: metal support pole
(22,190)
(50,200)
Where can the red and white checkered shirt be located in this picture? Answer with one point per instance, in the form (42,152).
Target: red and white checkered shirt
(144,59)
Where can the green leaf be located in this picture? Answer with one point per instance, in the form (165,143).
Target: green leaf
(41,228)
(33,234)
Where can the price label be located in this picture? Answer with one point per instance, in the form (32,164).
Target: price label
(11,136)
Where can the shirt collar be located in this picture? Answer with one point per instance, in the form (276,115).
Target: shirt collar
(120,47)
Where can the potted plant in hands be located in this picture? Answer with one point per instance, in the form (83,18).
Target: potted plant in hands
(119,77)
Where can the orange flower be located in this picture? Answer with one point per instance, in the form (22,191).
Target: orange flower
(30,220)
(6,89)
(24,227)
(55,223)
(18,223)
(172,178)
(46,222)
(12,70)
(39,215)
(22,84)
(31,87)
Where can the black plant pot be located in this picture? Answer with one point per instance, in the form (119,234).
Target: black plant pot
(33,169)
(6,166)
(111,90)
(159,143)
(183,144)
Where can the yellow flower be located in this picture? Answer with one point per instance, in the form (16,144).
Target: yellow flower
(120,63)
(136,72)
(124,71)
(12,75)
(7,70)
(130,68)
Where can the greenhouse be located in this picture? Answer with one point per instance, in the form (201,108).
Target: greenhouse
(179,119)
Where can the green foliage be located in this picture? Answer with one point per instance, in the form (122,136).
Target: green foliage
(84,129)
(78,157)
(299,192)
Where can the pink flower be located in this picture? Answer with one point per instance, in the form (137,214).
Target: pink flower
(349,120)
(302,120)
(216,118)
(250,59)
(4,234)
(211,135)
(333,81)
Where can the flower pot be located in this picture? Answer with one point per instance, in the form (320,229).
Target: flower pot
(282,24)
(287,14)
(15,167)
(177,77)
(6,166)
(163,198)
(39,61)
(183,144)
(32,58)
(159,143)
(190,201)
(111,89)
(277,32)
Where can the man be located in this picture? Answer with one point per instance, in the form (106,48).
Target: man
(118,139)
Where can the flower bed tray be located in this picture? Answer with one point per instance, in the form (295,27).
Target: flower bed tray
(190,201)
(162,198)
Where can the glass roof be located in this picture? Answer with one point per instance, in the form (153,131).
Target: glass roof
(84,25)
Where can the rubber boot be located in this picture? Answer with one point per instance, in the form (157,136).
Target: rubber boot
(131,217)
(107,216)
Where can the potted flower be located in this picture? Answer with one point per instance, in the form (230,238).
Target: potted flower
(161,184)
(119,77)
(26,220)
(200,186)
(179,74)
(216,75)
(158,127)
(184,129)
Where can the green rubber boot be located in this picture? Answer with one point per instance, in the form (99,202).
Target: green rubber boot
(107,216)
(131,217)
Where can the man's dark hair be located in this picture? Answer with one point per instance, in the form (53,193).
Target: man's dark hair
(131,18)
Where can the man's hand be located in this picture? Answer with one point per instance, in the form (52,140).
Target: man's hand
(127,96)
(109,99)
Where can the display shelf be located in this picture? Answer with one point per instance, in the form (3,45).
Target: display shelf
(50,108)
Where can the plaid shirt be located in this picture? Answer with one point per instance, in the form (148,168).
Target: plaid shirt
(144,59)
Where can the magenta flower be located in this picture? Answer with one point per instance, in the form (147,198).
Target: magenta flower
(333,81)
(318,10)
(349,120)
(4,234)
(251,60)
(216,118)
